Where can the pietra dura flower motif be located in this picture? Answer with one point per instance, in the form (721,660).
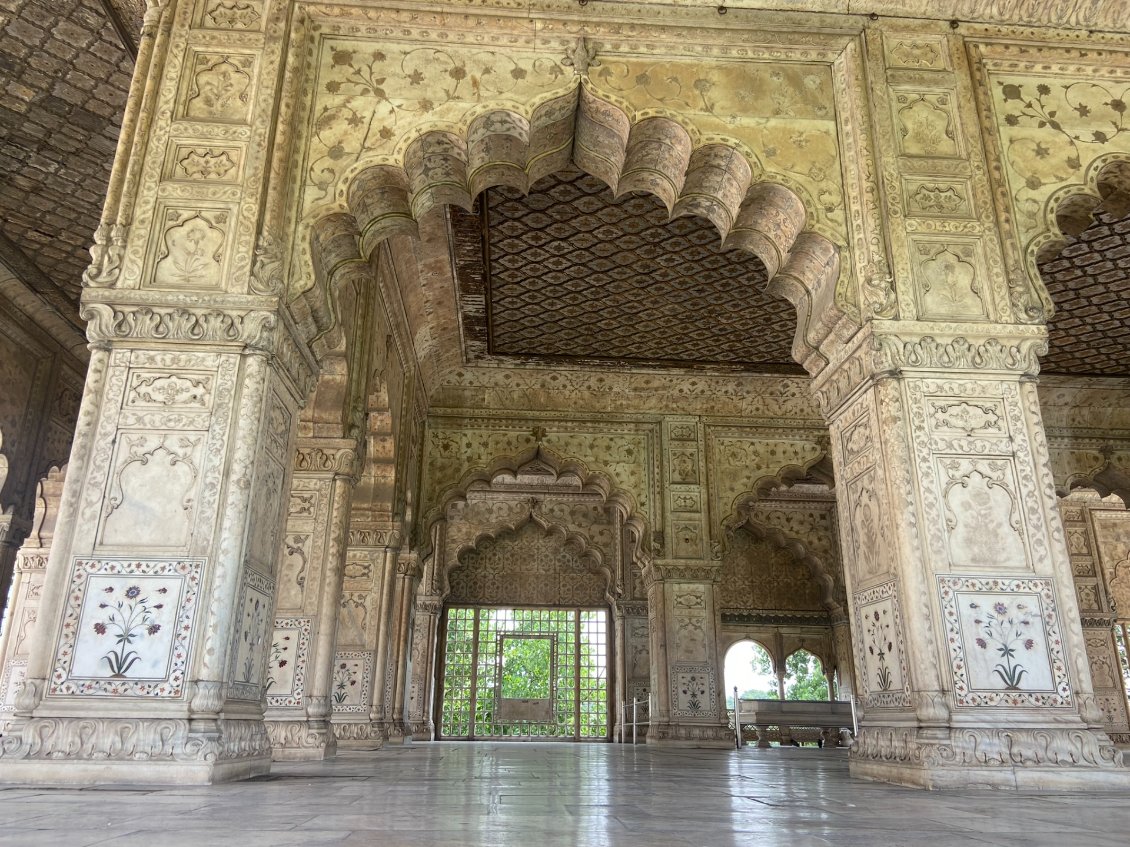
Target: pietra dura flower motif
(1006,630)
(127,627)
(1004,642)
(129,618)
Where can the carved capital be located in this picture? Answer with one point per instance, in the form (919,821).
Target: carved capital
(429,605)
(893,348)
(408,566)
(207,698)
(113,322)
(338,460)
(264,329)
(690,571)
(374,537)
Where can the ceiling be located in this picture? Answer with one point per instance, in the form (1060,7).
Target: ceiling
(572,274)
(65,74)
(1089,283)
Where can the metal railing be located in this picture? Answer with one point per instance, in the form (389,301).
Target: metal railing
(634,705)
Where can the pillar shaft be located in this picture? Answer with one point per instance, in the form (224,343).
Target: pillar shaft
(970,659)
(686,668)
(152,645)
(311,569)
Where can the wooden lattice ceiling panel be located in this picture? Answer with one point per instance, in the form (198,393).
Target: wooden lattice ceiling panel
(575,274)
(1089,282)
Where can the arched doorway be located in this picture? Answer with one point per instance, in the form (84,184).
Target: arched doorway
(525,643)
(750,671)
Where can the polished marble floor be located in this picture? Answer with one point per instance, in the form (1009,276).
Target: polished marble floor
(560,795)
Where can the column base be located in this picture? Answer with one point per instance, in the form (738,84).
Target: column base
(137,751)
(301,741)
(708,736)
(359,735)
(1049,759)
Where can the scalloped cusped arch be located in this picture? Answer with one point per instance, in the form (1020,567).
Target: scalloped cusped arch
(715,181)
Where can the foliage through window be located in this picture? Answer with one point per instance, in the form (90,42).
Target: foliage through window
(494,657)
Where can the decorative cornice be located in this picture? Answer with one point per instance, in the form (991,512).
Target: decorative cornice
(106,322)
(892,348)
(987,354)
(697,571)
(265,329)
(768,618)
(632,609)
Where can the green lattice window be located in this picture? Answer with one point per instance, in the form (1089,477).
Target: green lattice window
(525,673)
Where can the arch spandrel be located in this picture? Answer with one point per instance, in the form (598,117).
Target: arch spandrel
(518,114)
(1058,122)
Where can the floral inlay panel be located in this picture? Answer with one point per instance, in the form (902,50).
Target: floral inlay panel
(352,681)
(879,645)
(286,666)
(694,692)
(254,622)
(126,627)
(1004,642)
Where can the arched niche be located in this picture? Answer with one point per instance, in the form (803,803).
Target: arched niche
(544,487)
(536,563)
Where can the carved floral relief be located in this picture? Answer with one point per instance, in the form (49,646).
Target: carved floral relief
(192,246)
(948,280)
(982,516)
(220,88)
(254,624)
(152,489)
(879,647)
(926,123)
(13,676)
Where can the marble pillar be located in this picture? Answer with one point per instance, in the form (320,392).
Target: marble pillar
(364,622)
(152,646)
(399,671)
(301,668)
(970,659)
(421,692)
(687,684)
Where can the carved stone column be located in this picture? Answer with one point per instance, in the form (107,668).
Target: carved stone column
(421,696)
(301,670)
(167,534)
(633,665)
(27,590)
(400,645)
(689,703)
(362,645)
(1096,542)
(971,663)
(13,531)
(845,660)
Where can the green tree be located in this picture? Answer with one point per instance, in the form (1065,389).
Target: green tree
(804,677)
(763,666)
